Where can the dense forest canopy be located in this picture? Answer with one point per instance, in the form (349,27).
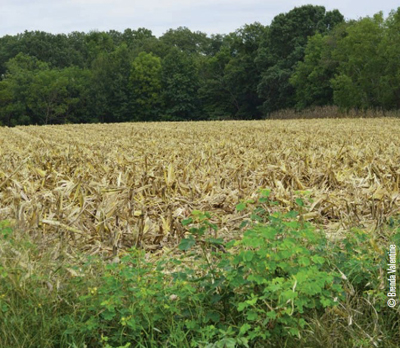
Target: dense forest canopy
(307,57)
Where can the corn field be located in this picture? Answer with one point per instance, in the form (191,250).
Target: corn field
(107,187)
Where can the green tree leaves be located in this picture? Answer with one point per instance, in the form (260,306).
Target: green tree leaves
(312,77)
(307,57)
(145,84)
(108,89)
(32,92)
(284,48)
(357,84)
(354,66)
(180,83)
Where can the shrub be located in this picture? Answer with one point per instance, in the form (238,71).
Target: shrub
(282,283)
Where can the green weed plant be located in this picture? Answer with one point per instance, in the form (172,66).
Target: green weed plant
(281,283)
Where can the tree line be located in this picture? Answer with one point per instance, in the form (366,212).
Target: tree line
(305,58)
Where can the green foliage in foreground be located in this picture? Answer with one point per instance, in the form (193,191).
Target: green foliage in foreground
(282,283)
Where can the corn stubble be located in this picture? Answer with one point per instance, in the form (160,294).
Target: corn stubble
(106,187)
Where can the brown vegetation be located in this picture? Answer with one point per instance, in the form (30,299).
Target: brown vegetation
(105,187)
(331,112)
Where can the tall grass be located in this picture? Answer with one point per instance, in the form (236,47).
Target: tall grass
(331,112)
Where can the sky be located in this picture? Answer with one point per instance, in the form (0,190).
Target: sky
(209,16)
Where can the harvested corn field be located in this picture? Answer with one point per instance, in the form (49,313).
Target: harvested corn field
(106,187)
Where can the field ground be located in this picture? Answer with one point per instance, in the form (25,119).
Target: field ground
(78,199)
(105,187)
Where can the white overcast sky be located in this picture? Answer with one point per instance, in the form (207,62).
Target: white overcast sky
(210,16)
